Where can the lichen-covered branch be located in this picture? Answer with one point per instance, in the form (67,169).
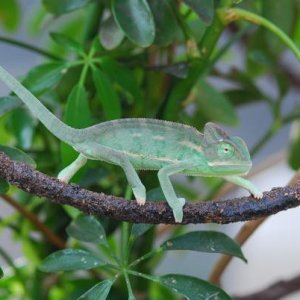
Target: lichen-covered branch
(233,210)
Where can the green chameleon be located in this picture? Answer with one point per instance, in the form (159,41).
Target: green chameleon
(148,144)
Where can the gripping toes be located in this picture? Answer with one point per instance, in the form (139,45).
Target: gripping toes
(257,194)
(140,195)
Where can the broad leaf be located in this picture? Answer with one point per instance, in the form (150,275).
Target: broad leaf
(1,272)
(282,14)
(214,105)
(111,35)
(4,186)
(87,229)
(123,76)
(107,95)
(99,291)
(77,114)
(205,241)
(204,8)
(135,18)
(66,42)
(18,155)
(44,77)
(9,14)
(70,260)
(23,127)
(192,288)
(9,103)
(58,7)
(166,27)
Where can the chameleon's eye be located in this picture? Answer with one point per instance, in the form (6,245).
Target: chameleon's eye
(225,150)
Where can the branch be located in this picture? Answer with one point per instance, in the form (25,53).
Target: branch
(275,291)
(234,210)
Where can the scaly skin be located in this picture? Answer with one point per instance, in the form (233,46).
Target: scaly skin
(148,144)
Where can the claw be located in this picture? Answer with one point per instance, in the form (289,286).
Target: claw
(140,201)
(258,195)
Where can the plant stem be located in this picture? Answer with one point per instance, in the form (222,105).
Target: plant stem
(29,47)
(233,14)
(146,256)
(128,284)
(146,276)
(125,232)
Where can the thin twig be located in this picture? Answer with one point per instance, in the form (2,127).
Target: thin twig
(243,235)
(233,210)
(275,291)
(51,236)
(29,47)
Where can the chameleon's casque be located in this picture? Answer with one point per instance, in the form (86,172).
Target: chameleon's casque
(148,144)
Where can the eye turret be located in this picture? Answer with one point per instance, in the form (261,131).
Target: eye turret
(225,150)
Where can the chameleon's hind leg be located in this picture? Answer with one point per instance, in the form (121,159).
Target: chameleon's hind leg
(163,175)
(68,172)
(109,155)
(133,179)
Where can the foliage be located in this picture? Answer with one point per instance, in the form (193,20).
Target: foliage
(129,58)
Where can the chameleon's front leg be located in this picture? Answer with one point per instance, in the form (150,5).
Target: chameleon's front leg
(67,173)
(248,185)
(163,175)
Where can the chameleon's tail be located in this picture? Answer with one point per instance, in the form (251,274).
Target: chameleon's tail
(53,124)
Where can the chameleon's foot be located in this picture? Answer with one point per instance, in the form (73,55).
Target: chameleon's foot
(140,195)
(63,178)
(181,201)
(257,195)
(141,201)
(178,210)
(178,215)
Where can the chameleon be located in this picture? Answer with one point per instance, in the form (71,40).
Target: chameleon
(148,144)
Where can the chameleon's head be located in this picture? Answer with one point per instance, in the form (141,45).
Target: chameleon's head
(225,155)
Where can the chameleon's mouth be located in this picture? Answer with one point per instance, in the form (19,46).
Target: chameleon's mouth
(225,168)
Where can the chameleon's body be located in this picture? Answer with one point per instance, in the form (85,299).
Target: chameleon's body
(148,144)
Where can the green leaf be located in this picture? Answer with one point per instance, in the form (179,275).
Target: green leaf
(139,229)
(77,114)
(166,26)
(205,241)
(9,103)
(294,147)
(87,229)
(70,260)
(242,96)
(23,126)
(214,105)
(192,288)
(58,7)
(282,14)
(135,18)
(66,42)
(44,77)
(204,8)
(18,155)
(110,35)
(77,111)
(123,76)
(4,187)
(1,272)
(9,14)
(99,291)
(107,95)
